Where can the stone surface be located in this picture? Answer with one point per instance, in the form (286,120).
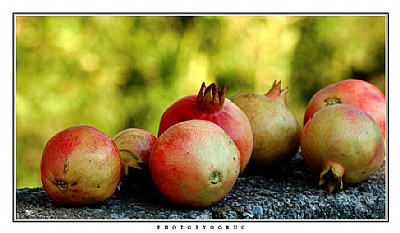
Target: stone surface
(291,193)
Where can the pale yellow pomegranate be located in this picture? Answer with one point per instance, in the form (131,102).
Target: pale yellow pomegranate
(276,131)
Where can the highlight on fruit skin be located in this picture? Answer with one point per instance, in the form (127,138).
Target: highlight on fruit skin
(343,144)
(211,104)
(276,131)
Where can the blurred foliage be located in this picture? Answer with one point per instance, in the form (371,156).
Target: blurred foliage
(117,72)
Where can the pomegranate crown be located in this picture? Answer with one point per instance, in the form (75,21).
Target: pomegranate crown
(211,99)
(276,93)
(332,176)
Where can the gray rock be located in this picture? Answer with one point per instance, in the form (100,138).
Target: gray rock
(227,212)
(288,193)
(258,211)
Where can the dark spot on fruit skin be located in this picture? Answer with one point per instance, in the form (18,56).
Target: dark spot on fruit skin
(62,185)
(66,167)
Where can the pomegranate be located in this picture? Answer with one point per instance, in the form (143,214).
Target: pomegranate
(135,146)
(343,144)
(358,93)
(276,131)
(80,166)
(210,104)
(194,163)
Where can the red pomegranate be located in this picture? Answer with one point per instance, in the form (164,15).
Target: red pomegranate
(194,163)
(80,166)
(276,131)
(343,144)
(135,146)
(358,93)
(210,104)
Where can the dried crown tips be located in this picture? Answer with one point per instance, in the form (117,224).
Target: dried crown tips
(201,93)
(276,93)
(211,98)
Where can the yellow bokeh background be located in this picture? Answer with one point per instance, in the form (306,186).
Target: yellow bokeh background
(117,72)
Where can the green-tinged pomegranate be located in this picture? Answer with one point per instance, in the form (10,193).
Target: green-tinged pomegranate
(358,93)
(80,166)
(135,146)
(276,131)
(194,163)
(343,144)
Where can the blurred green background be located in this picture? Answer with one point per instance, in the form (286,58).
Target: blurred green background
(117,72)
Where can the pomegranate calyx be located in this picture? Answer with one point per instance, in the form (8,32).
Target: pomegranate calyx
(332,176)
(130,160)
(211,99)
(276,93)
(215,177)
